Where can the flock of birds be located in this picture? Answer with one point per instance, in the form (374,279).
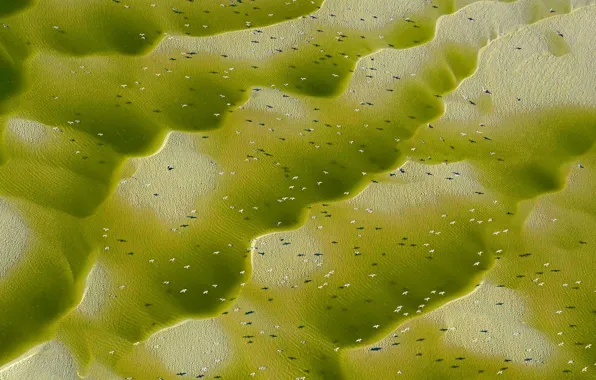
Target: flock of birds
(346,208)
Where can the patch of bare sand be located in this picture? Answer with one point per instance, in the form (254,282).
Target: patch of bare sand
(284,264)
(28,131)
(96,292)
(47,361)
(195,346)
(14,236)
(177,173)
(415,188)
(491,321)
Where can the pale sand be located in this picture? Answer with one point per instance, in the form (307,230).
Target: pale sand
(280,265)
(51,361)
(192,176)
(396,198)
(47,361)
(348,14)
(503,19)
(508,334)
(240,46)
(14,236)
(191,346)
(97,291)
(291,109)
(563,78)
(28,131)
(415,188)
(153,172)
(295,32)
(347,18)
(510,80)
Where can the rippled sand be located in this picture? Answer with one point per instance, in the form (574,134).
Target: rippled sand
(297,190)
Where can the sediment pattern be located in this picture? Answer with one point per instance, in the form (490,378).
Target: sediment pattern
(297,189)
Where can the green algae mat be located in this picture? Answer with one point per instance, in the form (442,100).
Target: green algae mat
(297,189)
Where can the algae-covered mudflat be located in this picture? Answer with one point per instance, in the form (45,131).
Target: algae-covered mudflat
(297,189)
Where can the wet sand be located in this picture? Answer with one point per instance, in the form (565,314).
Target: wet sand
(296,181)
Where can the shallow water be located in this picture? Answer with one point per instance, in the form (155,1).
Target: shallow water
(354,177)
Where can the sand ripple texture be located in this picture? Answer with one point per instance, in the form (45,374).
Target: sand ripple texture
(297,189)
